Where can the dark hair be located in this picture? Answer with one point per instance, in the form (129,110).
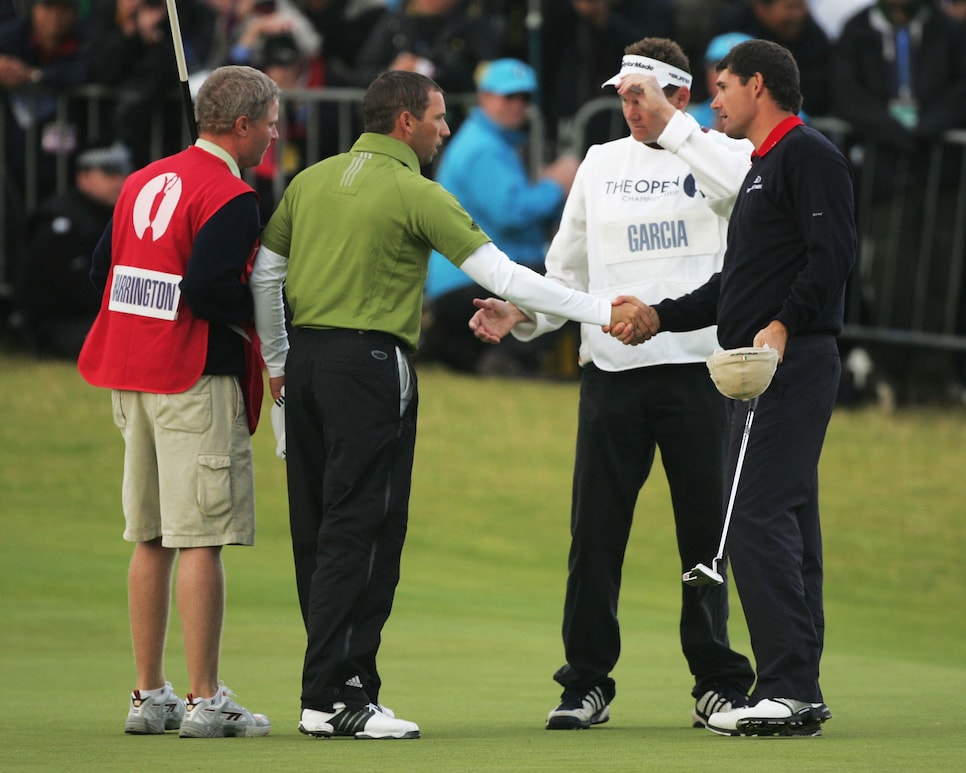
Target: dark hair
(393,93)
(777,67)
(664,50)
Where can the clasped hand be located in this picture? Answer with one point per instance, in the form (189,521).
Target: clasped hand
(632,321)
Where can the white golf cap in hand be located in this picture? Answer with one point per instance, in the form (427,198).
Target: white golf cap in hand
(743,373)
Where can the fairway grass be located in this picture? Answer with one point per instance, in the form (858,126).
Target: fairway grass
(474,637)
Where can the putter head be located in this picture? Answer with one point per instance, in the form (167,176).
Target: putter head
(701,575)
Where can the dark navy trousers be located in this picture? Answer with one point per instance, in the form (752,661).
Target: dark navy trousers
(775,539)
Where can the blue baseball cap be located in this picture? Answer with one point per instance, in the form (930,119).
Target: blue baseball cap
(508,76)
(721,46)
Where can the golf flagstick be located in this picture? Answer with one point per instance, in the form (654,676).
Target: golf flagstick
(189,110)
(704,575)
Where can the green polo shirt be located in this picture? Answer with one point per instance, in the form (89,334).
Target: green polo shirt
(358,229)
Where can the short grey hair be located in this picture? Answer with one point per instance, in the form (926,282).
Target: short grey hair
(230,92)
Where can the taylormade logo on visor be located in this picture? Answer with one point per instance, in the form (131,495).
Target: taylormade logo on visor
(666,74)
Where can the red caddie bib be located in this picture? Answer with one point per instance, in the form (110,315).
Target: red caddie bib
(145,337)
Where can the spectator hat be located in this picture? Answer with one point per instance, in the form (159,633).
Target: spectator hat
(721,46)
(508,76)
(279,50)
(666,74)
(744,373)
(113,158)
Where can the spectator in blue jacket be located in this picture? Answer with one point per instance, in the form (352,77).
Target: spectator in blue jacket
(483,167)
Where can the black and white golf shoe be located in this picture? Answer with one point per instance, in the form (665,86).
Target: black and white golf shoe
(369,723)
(772,717)
(716,701)
(580,710)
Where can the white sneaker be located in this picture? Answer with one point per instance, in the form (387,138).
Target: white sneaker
(221,717)
(372,722)
(580,710)
(152,714)
(771,717)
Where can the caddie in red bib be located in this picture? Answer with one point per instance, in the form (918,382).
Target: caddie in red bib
(174,341)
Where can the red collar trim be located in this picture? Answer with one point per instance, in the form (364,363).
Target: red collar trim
(776,135)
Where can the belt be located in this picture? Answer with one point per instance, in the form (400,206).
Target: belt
(340,332)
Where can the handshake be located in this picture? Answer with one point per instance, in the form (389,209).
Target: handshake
(632,321)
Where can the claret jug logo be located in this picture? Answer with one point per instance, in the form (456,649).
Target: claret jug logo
(648,190)
(155,205)
(141,291)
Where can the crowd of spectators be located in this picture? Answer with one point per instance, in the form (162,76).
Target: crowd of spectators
(894,70)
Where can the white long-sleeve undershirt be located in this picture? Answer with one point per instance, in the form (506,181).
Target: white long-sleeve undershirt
(488,266)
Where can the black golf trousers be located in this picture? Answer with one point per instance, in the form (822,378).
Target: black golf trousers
(624,417)
(349,456)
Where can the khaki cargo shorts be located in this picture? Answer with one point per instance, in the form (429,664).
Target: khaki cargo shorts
(188,473)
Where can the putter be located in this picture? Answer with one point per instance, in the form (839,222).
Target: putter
(189,111)
(708,575)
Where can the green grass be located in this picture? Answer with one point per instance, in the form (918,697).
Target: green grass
(474,637)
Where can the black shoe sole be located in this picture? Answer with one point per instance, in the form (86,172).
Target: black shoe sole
(572,723)
(805,724)
(765,729)
(409,736)
(313,734)
(412,735)
(566,723)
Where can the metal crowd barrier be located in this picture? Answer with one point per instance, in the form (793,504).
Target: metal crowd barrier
(913,294)
(93,103)
(929,292)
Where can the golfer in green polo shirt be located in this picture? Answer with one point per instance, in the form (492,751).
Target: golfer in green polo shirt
(350,242)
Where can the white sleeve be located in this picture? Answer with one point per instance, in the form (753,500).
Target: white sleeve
(490,267)
(266,282)
(719,163)
(566,259)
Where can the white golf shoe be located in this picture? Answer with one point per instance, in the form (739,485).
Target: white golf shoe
(154,711)
(374,722)
(717,701)
(579,710)
(221,717)
(772,717)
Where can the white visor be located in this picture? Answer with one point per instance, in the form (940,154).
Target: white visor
(666,74)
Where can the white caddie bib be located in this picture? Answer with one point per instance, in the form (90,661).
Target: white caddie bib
(660,236)
(145,293)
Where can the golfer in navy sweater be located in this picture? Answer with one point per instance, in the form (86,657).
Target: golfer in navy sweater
(791,246)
